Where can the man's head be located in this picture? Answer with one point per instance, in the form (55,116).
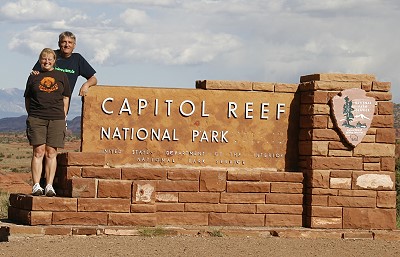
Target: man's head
(67,43)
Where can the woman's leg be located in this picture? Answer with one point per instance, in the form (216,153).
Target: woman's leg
(37,162)
(50,164)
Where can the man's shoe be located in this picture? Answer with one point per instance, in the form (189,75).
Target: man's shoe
(49,191)
(37,190)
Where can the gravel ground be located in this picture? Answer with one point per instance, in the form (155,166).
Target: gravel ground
(194,246)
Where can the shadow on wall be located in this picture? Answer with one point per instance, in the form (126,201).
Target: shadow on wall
(292,146)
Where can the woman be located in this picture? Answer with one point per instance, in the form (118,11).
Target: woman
(46,101)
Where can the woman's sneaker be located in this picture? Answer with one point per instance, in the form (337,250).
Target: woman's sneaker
(49,191)
(37,190)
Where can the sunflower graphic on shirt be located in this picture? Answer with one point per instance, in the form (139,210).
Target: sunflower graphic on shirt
(48,84)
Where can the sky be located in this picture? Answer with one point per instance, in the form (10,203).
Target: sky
(173,43)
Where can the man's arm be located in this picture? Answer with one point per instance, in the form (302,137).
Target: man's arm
(36,68)
(92,81)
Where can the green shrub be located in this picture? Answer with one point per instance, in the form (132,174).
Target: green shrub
(4,203)
(216,233)
(151,232)
(398,191)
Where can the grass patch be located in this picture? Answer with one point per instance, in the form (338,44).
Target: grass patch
(16,153)
(4,203)
(216,233)
(398,221)
(152,232)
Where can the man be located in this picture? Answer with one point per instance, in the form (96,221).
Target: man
(73,64)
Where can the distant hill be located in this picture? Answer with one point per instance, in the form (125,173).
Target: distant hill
(13,124)
(18,124)
(12,102)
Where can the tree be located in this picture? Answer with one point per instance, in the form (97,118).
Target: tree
(347,111)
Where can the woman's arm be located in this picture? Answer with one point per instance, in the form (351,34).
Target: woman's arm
(66,105)
(27,103)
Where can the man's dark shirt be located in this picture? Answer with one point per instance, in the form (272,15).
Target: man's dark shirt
(74,66)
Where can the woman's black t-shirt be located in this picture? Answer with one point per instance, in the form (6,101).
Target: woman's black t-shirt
(46,92)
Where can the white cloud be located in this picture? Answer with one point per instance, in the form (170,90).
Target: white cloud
(134,17)
(233,7)
(193,49)
(163,48)
(132,2)
(33,10)
(341,8)
(32,41)
(329,45)
(327,4)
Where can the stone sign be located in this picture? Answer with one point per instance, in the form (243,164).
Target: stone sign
(180,127)
(209,157)
(353,112)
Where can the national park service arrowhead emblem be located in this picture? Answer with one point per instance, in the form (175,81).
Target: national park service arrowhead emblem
(353,112)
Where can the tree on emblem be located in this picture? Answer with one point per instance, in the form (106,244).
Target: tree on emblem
(347,111)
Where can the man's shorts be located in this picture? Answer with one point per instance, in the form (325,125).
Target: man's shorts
(49,132)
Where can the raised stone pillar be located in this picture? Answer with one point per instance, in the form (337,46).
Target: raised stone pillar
(346,186)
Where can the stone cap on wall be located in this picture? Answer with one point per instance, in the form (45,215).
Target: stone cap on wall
(337,77)
(281,87)
(247,86)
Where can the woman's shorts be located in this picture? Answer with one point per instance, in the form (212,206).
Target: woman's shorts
(49,132)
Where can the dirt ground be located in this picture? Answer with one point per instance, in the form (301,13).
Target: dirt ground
(15,158)
(194,246)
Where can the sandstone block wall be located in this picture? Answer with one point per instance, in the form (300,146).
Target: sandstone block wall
(93,194)
(346,187)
